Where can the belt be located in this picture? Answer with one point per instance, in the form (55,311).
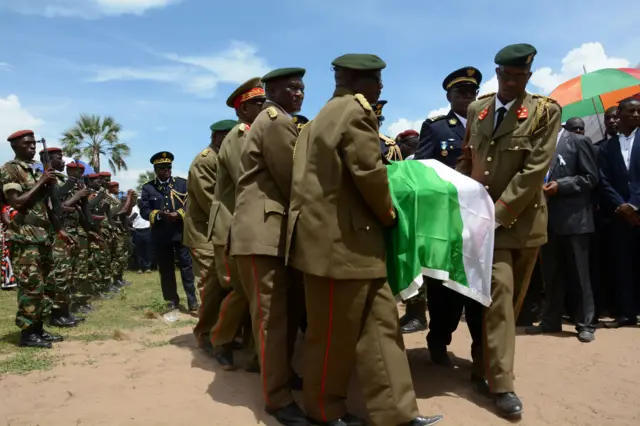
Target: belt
(32,220)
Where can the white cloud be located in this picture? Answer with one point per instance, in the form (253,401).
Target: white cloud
(199,75)
(591,56)
(489,86)
(403,124)
(13,117)
(88,9)
(5,66)
(128,179)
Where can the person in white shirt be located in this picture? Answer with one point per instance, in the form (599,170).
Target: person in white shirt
(141,239)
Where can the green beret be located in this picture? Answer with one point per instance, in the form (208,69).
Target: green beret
(223,125)
(245,90)
(516,55)
(360,62)
(282,73)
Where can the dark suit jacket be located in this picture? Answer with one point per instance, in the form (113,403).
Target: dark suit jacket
(619,185)
(157,197)
(441,139)
(574,167)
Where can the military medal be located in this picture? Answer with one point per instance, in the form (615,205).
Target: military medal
(444,151)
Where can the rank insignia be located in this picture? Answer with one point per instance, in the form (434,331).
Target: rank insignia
(453,121)
(483,114)
(522,113)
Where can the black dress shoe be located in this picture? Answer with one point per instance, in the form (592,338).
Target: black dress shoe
(291,415)
(172,306)
(540,329)
(480,385)
(424,421)
(508,404)
(29,339)
(414,325)
(224,357)
(50,337)
(346,420)
(194,308)
(441,358)
(621,322)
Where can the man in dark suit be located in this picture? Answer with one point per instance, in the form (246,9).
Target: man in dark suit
(565,258)
(619,160)
(163,204)
(441,139)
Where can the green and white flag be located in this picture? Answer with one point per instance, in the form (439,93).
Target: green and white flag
(445,230)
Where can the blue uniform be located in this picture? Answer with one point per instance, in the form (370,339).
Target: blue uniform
(441,139)
(166,236)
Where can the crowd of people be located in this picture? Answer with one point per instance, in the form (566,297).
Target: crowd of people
(280,227)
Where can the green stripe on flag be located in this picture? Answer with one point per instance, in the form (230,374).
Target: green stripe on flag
(429,232)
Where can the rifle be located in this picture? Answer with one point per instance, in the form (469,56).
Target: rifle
(52,202)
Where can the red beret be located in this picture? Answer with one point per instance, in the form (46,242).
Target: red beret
(104,174)
(114,183)
(408,134)
(75,165)
(51,150)
(93,175)
(19,134)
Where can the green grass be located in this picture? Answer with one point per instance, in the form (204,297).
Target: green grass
(137,307)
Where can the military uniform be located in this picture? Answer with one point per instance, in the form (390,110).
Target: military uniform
(99,275)
(200,187)
(340,206)
(258,233)
(388,147)
(166,236)
(234,310)
(509,153)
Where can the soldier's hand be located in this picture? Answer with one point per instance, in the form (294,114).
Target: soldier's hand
(84,192)
(173,216)
(550,189)
(95,237)
(48,177)
(625,210)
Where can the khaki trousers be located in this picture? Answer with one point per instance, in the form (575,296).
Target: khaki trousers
(235,305)
(211,292)
(510,279)
(354,323)
(276,302)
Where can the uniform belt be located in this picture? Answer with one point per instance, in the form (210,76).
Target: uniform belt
(32,220)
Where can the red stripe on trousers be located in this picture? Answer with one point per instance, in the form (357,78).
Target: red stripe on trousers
(225,304)
(261,319)
(326,354)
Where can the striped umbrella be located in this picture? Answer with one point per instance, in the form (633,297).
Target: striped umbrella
(590,94)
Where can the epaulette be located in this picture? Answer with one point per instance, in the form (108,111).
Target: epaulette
(544,98)
(542,111)
(272,113)
(205,152)
(436,118)
(363,102)
(485,96)
(243,127)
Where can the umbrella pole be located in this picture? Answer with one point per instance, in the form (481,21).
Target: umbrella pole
(595,107)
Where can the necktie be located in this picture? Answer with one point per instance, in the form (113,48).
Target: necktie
(501,113)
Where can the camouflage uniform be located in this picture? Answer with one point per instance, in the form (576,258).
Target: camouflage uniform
(63,256)
(119,244)
(100,274)
(31,255)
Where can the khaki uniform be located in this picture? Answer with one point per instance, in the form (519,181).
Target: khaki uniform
(511,162)
(258,232)
(200,187)
(234,308)
(340,204)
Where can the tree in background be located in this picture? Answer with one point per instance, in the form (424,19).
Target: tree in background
(94,136)
(145,177)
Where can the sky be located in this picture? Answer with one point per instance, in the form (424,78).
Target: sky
(164,68)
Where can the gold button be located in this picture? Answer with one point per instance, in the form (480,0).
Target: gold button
(493,142)
(535,206)
(368,228)
(450,146)
(489,159)
(486,173)
(486,187)
(471,146)
(515,220)
(516,148)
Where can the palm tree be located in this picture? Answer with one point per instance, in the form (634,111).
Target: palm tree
(145,177)
(93,136)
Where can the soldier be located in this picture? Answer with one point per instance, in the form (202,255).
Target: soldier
(441,139)
(300,120)
(509,142)
(26,190)
(100,274)
(258,239)
(247,100)
(120,211)
(340,206)
(164,200)
(200,187)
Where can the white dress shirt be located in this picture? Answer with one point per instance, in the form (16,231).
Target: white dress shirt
(626,145)
(499,105)
(139,222)
(462,119)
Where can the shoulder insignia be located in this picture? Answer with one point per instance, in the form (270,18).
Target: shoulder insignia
(485,96)
(436,118)
(363,102)
(522,113)
(272,112)
(483,114)
(243,127)
(205,152)
(544,98)
(453,121)
(542,114)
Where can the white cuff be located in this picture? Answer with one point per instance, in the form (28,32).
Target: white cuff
(497,225)
(633,207)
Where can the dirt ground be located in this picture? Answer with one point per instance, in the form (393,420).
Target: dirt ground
(170,382)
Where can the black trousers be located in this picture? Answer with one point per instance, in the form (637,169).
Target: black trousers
(565,262)
(602,260)
(445,310)
(166,253)
(142,241)
(626,250)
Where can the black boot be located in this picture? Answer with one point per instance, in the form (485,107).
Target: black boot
(58,319)
(424,421)
(29,338)
(291,415)
(46,336)
(224,356)
(415,318)
(508,404)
